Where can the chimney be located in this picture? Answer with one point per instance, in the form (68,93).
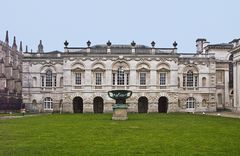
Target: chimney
(199,44)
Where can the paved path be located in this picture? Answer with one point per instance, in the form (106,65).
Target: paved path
(9,117)
(225,114)
(17,116)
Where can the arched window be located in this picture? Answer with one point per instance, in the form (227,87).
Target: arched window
(190,80)
(48,103)
(190,102)
(204,81)
(120,74)
(49,78)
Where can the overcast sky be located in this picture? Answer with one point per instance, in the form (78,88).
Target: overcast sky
(120,21)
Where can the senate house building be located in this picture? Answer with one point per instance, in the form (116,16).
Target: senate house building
(78,79)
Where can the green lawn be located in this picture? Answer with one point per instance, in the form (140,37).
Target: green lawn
(142,134)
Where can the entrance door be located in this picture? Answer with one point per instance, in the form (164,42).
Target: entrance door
(142,105)
(162,105)
(98,105)
(78,105)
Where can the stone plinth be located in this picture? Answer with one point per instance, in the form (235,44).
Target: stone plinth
(120,112)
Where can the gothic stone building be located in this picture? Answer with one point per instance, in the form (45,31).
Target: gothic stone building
(10,75)
(162,80)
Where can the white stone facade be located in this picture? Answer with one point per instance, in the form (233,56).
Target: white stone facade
(162,80)
(236,73)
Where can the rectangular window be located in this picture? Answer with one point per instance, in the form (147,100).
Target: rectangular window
(196,81)
(184,81)
(98,78)
(48,103)
(55,81)
(113,79)
(127,78)
(162,79)
(143,79)
(42,81)
(78,79)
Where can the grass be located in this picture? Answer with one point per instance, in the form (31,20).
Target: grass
(142,134)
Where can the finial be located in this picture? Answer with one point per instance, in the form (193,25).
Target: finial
(66,43)
(14,42)
(109,43)
(88,43)
(153,43)
(133,43)
(40,47)
(6,38)
(175,44)
(20,48)
(26,49)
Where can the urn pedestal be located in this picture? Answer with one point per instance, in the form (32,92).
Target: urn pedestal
(120,107)
(120,112)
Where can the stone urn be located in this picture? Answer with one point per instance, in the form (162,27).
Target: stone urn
(120,107)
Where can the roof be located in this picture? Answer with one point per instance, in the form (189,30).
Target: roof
(119,49)
(220,46)
(119,46)
(53,52)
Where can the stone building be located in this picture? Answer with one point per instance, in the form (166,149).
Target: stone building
(236,73)
(10,75)
(162,80)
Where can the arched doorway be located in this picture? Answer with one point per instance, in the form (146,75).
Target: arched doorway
(142,105)
(162,104)
(98,105)
(34,105)
(78,105)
